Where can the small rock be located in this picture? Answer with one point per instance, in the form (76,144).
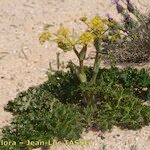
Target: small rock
(145,89)
(102,137)
(2,77)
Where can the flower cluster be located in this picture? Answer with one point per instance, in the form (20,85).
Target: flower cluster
(63,31)
(63,39)
(86,38)
(64,45)
(96,27)
(45,36)
(97,24)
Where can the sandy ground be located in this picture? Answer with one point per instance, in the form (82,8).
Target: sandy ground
(24,62)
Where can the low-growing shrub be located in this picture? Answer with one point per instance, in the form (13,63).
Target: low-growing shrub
(41,113)
(136,80)
(39,116)
(115,105)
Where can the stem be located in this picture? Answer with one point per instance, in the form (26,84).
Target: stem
(58,60)
(76,52)
(50,67)
(81,56)
(97,60)
(96,68)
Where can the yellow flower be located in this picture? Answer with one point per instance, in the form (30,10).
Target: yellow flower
(64,40)
(63,31)
(45,36)
(64,43)
(86,37)
(97,24)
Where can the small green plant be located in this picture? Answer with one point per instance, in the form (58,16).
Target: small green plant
(55,110)
(96,33)
(81,97)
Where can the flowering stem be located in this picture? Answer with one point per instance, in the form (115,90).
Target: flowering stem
(96,68)
(97,60)
(81,56)
(76,52)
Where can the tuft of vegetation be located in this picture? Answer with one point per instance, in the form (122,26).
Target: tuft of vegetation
(39,116)
(57,109)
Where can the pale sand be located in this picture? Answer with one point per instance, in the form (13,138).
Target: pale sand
(21,21)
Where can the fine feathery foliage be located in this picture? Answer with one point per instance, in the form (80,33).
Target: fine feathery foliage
(115,106)
(39,116)
(57,109)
